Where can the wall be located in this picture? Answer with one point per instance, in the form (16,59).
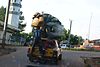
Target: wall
(7,36)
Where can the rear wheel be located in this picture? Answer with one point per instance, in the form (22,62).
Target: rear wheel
(30,59)
(42,61)
(60,57)
(55,61)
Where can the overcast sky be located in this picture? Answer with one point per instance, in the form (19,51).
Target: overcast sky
(79,11)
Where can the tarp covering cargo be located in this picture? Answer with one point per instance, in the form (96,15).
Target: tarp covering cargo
(51,26)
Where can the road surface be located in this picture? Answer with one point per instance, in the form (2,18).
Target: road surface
(20,59)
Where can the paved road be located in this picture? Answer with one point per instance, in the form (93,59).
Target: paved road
(19,59)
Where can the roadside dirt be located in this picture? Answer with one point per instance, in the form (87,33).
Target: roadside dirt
(6,50)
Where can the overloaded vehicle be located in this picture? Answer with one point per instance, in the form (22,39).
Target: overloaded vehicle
(45,45)
(45,50)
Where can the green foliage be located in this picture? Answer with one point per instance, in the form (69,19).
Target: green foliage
(21,24)
(20,34)
(30,35)
(2,13)
(17,35)
(21,17)
(74,39)
(64,36)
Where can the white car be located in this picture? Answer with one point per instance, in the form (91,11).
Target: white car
(63,45)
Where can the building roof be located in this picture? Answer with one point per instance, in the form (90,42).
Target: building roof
(96,40)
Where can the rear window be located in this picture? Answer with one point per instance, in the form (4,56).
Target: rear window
(49,44)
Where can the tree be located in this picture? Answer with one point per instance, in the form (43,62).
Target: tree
(20,34)
(74,39)
(65,36)
(80,40)
(2,13)
(29,37)
(16,36)
(21,24)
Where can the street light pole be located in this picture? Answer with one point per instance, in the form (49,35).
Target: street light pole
(89,27)
(69,33)
(5,24)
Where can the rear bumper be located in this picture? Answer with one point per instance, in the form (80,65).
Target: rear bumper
(42,57)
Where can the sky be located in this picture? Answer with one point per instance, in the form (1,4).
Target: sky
(79,11)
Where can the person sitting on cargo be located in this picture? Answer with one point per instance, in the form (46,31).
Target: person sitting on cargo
(37,34)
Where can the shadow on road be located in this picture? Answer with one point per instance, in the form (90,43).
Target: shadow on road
(32,66)
(48,64)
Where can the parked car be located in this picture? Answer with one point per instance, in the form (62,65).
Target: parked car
(63,45)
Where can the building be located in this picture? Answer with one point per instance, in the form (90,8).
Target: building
(13,19)
(97,42)
(14,13)
(10,29)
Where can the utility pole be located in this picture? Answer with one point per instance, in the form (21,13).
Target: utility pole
(5,24)
(69,33)
(89,27)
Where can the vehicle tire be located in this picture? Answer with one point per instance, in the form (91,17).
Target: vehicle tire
(42,61)
(55,61)
(30,59)
(60,57)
